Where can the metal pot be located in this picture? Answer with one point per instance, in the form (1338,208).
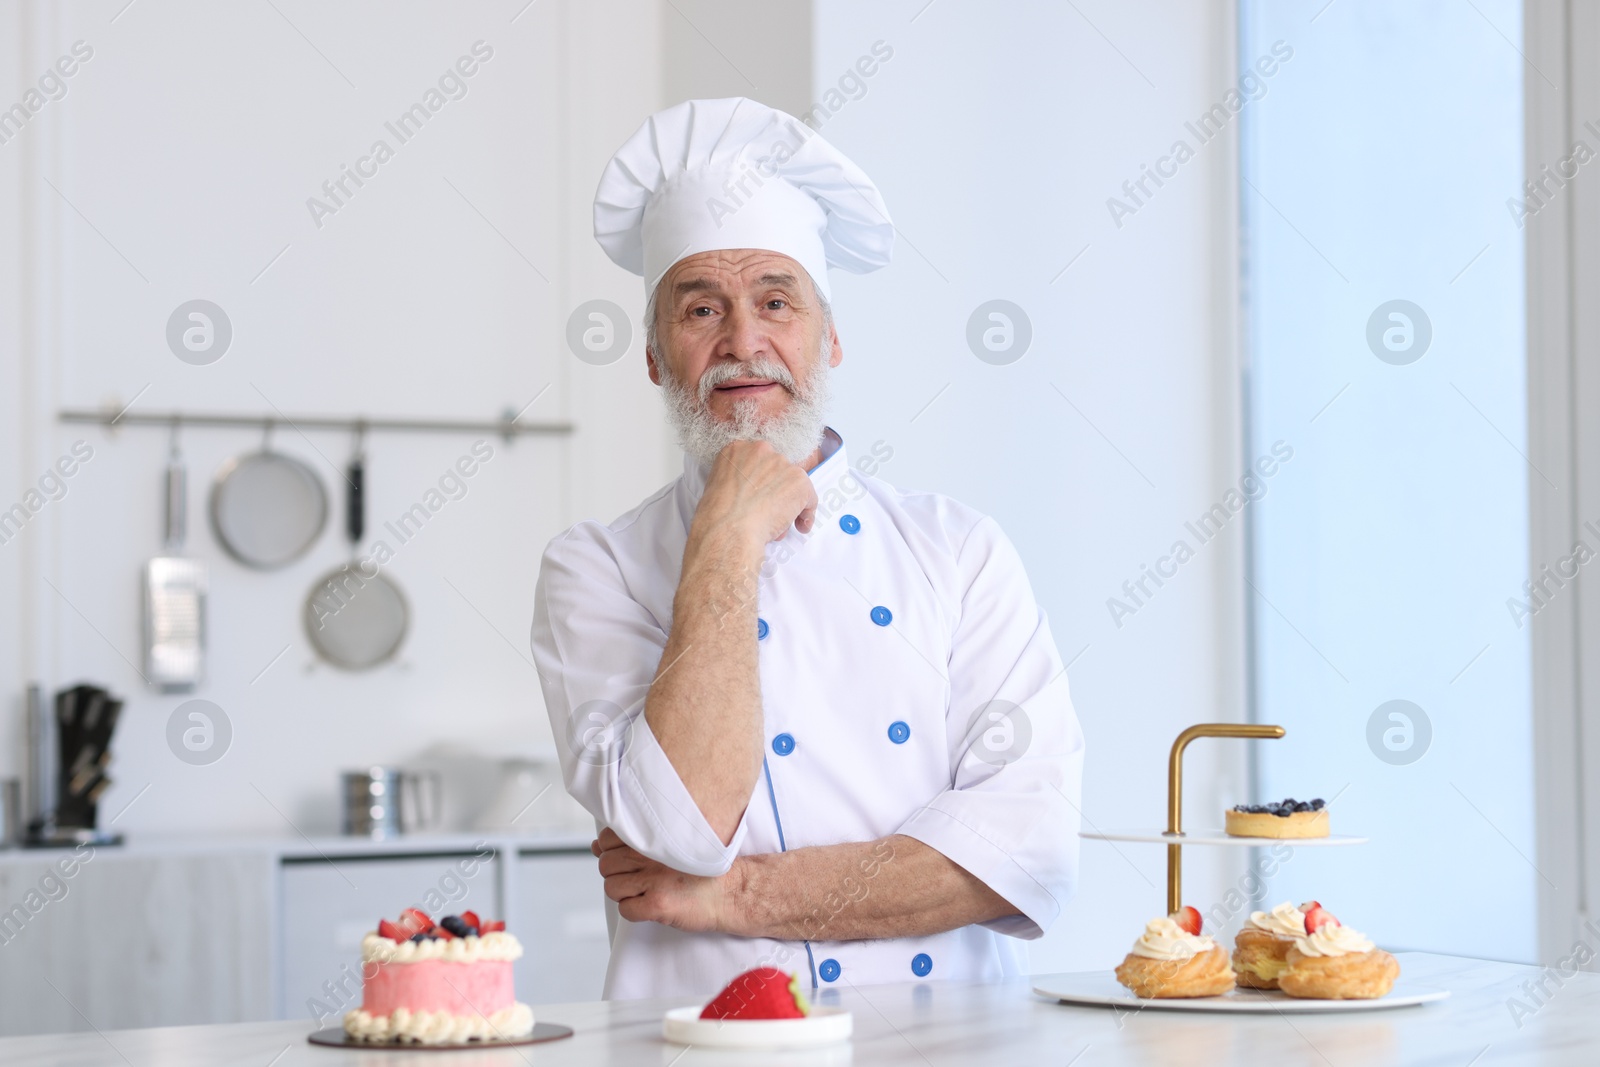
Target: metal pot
(381,802)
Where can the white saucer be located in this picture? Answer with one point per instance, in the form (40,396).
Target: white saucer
(1101,989)
(824,1026)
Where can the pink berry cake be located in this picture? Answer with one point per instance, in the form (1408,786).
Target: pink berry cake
(441,983)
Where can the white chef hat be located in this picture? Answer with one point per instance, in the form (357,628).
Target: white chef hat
(733,173)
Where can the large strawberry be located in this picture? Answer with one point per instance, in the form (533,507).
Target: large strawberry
(1188,919)
(764,993)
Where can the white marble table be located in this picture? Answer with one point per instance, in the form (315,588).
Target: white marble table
(938,1023)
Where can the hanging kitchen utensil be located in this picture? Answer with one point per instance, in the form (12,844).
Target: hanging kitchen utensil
(174,595)
(355,616)
(267,508)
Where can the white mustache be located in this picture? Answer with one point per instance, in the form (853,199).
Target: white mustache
(794,432)
(766,370)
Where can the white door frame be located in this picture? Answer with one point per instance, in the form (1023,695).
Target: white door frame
(1563,273)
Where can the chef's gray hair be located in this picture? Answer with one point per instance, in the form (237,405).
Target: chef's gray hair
(652,338)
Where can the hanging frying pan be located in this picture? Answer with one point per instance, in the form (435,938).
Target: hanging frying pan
(267,508)
(355,616)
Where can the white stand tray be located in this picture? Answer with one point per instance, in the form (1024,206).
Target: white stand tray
(1101,989)
(1217,837)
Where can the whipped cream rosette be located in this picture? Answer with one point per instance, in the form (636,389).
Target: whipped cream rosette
(1164,939)
(1285,920)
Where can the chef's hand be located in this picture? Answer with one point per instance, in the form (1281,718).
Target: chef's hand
(753,488)
(647,891)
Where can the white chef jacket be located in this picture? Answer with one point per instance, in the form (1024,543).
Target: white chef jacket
(888,639)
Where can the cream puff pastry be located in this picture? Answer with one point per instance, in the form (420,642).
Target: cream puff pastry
(1334,962)
(1261,948)
(1169,962)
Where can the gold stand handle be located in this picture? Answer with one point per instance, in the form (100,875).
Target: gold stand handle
(1175,793)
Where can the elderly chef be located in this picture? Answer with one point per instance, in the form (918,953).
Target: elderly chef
(821,721)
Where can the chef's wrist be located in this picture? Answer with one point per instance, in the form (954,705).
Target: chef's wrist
(725,544)
(731,918)
(744,895)
(721,572)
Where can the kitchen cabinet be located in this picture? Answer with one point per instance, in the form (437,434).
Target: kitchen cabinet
(132,939)
(558,911)
(200,931)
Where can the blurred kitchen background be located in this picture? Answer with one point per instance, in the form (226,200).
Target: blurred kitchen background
(1250,277)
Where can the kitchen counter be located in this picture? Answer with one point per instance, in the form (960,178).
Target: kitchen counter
(297,847)
(169,931)
(938,1023)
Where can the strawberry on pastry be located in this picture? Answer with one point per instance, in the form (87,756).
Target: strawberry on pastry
(1188,919)
(1317,917)
(764,993)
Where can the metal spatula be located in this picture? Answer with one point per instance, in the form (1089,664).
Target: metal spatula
(174,597)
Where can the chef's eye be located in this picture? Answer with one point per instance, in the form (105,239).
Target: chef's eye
(696,311)
(776,303)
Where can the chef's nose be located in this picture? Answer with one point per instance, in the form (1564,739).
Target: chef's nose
(743,336)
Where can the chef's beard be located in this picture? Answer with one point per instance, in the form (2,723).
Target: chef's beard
(793,433)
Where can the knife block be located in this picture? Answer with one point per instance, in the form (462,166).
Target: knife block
(69,752)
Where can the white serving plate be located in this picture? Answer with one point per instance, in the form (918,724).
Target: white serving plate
(1101,989)
(824,1026)
(1217,837)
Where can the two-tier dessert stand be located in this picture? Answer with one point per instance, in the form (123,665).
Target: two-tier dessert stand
(1099,988)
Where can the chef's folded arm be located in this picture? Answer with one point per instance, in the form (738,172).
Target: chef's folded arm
(997,847)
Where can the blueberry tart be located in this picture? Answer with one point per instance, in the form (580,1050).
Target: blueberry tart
(1286,818)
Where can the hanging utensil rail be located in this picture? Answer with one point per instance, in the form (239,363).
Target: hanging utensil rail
(507,427)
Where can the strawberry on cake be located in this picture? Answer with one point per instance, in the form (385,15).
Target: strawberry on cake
(438,983)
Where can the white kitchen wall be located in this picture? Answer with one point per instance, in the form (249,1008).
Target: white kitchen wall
(997,134)
(178,166)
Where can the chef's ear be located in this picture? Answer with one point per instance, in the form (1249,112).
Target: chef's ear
(652,367)
(835,350)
